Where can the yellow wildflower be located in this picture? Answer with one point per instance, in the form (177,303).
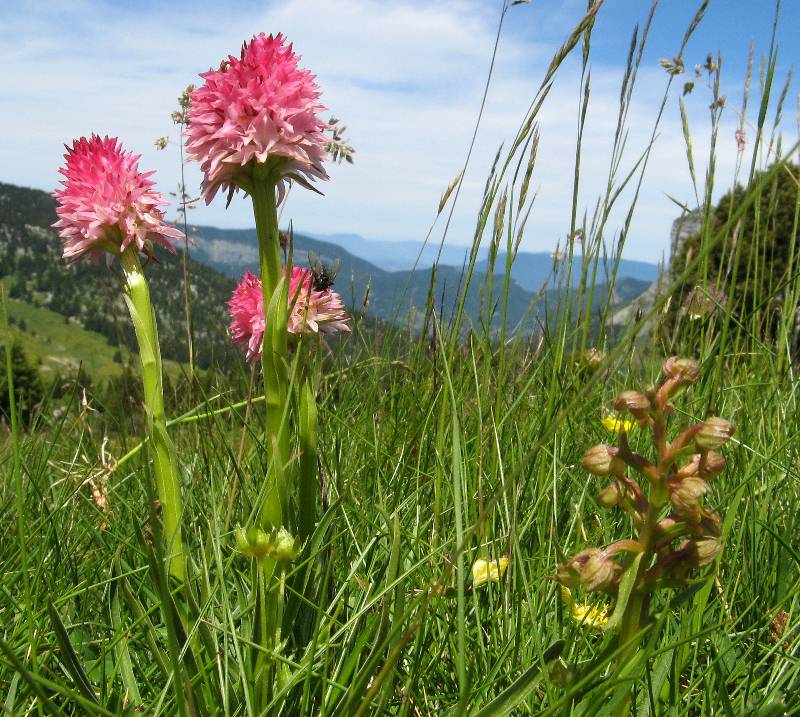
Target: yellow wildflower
(484,571)
(617,425)
(594,616)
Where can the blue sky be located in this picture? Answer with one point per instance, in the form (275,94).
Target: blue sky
(406,77)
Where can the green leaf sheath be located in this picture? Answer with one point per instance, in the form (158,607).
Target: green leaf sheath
(275,352)
(165,465)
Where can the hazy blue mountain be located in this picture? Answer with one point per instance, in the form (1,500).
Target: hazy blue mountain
(532,269)
(400,255)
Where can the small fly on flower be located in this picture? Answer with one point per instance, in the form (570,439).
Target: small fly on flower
(322,275)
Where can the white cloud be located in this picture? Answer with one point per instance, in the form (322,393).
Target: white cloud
(406,77)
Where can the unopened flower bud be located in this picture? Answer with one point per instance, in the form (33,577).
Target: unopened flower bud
(601,460)
(711,464)
(705,550)
(591,568)
(692,468)
(256,543)
(713,433)
(285,546)
(637,404)
(253,542)
(686,495)
(685,370)
(611,495)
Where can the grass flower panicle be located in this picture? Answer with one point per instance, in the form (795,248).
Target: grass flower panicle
(106,204)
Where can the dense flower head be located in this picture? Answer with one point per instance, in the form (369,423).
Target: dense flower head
(312,310)
(106,203)
(257,109)
(246,308)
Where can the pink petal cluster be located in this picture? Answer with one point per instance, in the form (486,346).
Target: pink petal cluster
(106,200)
(246,307)
(256,108)
(312,311)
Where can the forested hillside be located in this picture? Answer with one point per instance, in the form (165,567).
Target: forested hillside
(85,293)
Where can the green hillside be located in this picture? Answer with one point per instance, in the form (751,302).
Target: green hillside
(59,345)
(86,295)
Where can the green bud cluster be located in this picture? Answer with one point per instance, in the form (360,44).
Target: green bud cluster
(280,545)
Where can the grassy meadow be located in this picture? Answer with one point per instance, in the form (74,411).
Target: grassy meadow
(52,339)
(439,446)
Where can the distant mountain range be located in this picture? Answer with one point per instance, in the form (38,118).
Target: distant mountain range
(401,255)
(530,269)
(85,294)
(393,293)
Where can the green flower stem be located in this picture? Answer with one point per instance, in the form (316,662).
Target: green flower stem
(269,245)
(275,351)
(275,367)
(632,618)
(264,632)
(270,596)
(165,467)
